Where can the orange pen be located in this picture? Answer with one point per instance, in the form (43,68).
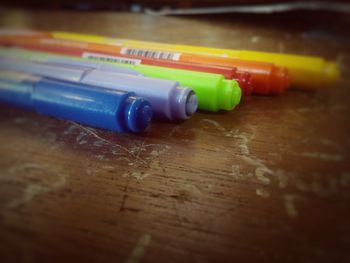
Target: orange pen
(266,78)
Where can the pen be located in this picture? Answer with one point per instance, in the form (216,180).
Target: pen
(306,72)
(230,73)
(266,77)
(213,91)
(168,99)
(102,108)
(108,54)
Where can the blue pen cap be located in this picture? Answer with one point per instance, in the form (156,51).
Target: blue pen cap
(99,107)
(137,113)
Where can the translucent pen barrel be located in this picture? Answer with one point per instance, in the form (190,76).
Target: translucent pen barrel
(102,108)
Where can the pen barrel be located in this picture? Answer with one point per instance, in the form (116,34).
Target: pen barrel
(102,108)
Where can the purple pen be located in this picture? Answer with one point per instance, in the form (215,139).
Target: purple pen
(168,99)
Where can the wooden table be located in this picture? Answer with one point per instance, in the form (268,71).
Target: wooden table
(267,182)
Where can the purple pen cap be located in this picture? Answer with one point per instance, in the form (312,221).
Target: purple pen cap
(137,113)
(185,104)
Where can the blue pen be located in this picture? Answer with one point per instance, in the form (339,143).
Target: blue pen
(94,106)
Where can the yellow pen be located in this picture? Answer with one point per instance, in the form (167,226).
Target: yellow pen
(306,72)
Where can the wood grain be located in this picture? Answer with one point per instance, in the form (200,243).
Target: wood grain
(267,182)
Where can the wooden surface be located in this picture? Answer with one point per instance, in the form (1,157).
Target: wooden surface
(267,182)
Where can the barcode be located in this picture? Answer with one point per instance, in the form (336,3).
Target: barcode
(150,53)
(113,59)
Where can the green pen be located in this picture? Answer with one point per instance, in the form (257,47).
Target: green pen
(214,92)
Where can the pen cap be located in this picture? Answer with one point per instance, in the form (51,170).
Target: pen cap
(229,94)
(98,107)
(137,113)
(187,100)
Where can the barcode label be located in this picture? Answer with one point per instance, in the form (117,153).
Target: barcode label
(150,53)
(114,59)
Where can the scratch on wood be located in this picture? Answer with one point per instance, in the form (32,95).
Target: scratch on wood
(139,176)
(214,123)
(282,178)
(33,190)
(262,192)
(255,39)
(236,173)
(139,249)
(289,203)
(27,167)
(253,162)
(301,185)
(260,170)
(344,179)
(323,156)
(244,140)
(89,131)
(260,175)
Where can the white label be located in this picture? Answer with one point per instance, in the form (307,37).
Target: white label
(150,53)
(108,58)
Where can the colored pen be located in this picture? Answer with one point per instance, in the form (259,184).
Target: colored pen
(102,108)
(168,99)
(230,73)
(266,77)
(213,91)
(306,71)
(108,53)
